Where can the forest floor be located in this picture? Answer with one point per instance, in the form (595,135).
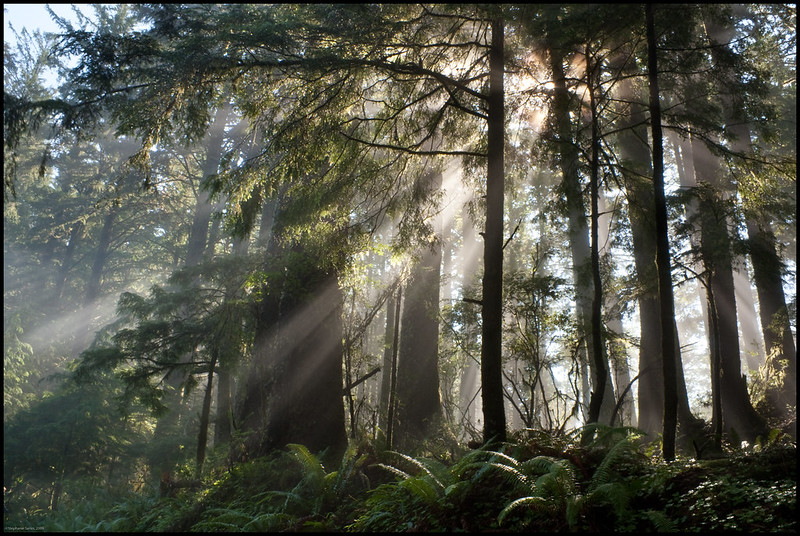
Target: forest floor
(534,484)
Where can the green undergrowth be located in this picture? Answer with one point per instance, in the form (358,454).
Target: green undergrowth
(538,482)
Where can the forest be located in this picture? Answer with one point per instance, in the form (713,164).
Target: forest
(401,268)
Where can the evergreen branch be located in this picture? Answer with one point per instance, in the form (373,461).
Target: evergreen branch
(408,150)
(360,380)
(512,234)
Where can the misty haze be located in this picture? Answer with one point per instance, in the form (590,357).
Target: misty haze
(400,267)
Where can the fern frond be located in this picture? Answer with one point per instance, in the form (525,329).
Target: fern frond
(486,466)
(531,500)
(265,497)
(438,471)
(421,488)
(613,494)
(573,510)
(402,474)
(378,522)
(503,456)
(330,480)
(351,463)
(420,464)
(537,465)
(474,459)
(660,521)
(310,463)
(622,449)
(406,457)
(223,519)
(455,490)
(514,476)
(560,480)
(216,526)
(269,522)
(287,496)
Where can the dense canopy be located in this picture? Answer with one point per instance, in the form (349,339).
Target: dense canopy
(522,261)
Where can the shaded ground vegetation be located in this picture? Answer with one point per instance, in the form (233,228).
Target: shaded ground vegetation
(536,482)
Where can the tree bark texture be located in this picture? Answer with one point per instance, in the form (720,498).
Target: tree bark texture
(773,314)
(637,168)
(738,413)
(492,301)
(223,422)
(578,232)
(205,413)
(419,407)
(386,368)
(600,370)
(305,403)
(668,346)
(75,234)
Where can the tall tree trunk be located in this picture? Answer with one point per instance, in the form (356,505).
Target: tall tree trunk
(773,313)
(230,358)
(390,412)
(579,236)
(214,146)
(251,411)
(223,423)
(205,413)
(198,233)
(737,410)
(618,359)
(469,402)
(306,404)
(637,169)
(386,368)
(251,400)
(100,257)
(84,334)
(348,370)
(195,248)
(75,234)
(600,370)
(635,155)
(751,336)
(669,355)
(774,317)
(578,231)
(716,366)
(494,417)
(419,406)
(214,230)
(624,410)
(738,413)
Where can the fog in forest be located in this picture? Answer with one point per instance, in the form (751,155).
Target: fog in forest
(232,230)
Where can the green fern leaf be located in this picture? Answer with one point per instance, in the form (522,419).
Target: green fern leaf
(613,494)
(513,476)
(422,464)
(530,500)
(660,521)
(538,465)
(395,470)
(621,450)
(270,522)
(421,488)
(310,463)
